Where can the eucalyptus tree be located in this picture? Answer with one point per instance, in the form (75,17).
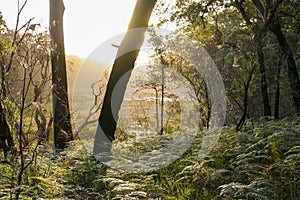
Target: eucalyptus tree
(204,21)
(6,140)
(205,15)
(61,112)
(122,67)
(259,30)
(219,27)
(263,16)
(276,25)
(268,15)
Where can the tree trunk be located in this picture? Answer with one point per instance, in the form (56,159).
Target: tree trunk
(277,94)
(246,94)
(162,99)
(61,112)
(292,68)
(264,87)
(259,34)
(122,67)
(156,109)
(6,140)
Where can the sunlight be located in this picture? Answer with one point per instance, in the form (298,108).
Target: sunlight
(87,24)
(200,101)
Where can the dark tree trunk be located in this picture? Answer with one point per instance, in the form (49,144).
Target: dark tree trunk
(208,103)
(162,96)
(122,67)
(61,112)
(259,34)
(264,87)
(6,140)
(292,68)
(277,94)
(245,113)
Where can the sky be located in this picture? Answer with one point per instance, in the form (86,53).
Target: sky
(87,24)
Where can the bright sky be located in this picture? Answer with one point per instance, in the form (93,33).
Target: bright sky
(87,23)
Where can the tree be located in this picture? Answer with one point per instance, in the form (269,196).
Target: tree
(259,32)
(246,96)
(6,140)
(291,64)
(61,112)
(24,67)
(268,12)
(271,25)
(220,28)
(122,67)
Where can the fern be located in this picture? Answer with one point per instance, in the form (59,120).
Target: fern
(256,190)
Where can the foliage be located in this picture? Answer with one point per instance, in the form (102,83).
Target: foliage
(228,34)
(260,162)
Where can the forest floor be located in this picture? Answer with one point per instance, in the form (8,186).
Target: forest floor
(262,161)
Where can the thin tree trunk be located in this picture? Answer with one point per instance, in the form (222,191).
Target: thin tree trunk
(122,67)
(162,99)
(20,133)
(61,112)
(277,94)
(259,34)
(156,109)
(262,69)
(245,113)
(292,68)
(208,103)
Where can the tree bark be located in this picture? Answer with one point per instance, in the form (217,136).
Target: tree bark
(277,94)
(6,140)
(246,95)
(259,32)
(292,68)
(122,67)
(163,63)
(61,112)
(263,82)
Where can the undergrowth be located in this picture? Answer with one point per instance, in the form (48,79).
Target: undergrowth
(262,161)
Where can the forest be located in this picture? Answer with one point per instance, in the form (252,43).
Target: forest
(201,101)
